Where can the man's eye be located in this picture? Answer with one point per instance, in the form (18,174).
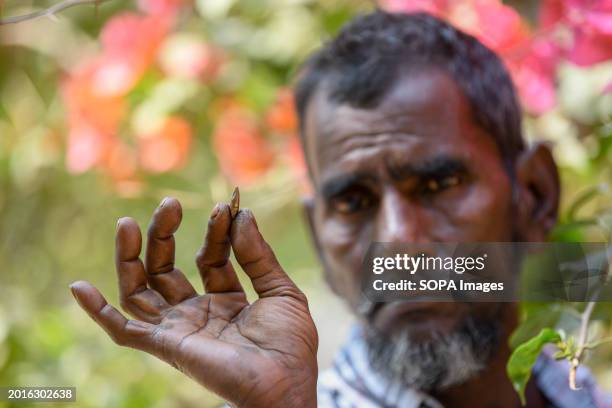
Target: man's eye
(351,202)
(436,185)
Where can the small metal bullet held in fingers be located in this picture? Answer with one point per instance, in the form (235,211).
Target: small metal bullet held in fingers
(235,203)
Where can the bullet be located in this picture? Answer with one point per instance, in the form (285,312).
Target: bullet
(235,203)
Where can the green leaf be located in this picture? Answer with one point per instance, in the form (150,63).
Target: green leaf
(535,316)
(581,200)
(524,357)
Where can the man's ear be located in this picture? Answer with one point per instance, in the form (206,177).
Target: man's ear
(537,190)
(309,209)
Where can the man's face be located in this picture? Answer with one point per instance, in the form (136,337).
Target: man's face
(416,168)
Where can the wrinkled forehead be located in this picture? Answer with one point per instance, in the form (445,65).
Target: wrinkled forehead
(423,107)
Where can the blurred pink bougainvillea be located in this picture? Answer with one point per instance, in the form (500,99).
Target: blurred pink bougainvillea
(249,145)
(133,39)
(188,56)
(281,117)
(167,8)
(93,118)
(532,54)
(590,23)
(153,44)
(97,97)
(243,152)
(167,147)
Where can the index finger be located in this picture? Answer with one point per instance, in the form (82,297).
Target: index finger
(213,262)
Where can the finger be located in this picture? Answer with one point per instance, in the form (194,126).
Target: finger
(159,260)
(124,332)
(258,261)
(217,272)
(134,295)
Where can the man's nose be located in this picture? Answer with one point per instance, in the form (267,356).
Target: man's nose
(400,220)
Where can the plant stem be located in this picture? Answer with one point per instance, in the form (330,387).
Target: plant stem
(48,12)
(585,318)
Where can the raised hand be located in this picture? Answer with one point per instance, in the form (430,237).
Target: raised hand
(261,354)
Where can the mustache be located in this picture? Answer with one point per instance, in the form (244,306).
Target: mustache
(367,309)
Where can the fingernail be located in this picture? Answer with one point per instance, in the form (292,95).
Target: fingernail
(163,202)
(215,210)
(251,216)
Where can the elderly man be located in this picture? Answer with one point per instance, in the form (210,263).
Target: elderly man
(412,133)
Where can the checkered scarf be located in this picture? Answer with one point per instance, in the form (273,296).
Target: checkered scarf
(352,383)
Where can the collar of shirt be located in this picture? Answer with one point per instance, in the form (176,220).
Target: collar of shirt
(351,382)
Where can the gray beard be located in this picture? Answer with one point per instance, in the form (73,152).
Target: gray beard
(438,362)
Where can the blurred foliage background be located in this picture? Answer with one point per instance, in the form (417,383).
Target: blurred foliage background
(107,108)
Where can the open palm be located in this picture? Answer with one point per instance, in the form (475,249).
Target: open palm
(258,354)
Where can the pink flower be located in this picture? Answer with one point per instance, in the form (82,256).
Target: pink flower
(435,7)
(167,148)
(281,116)
(168,8)
(86,147)
(551,12)
(590,46)
(590,22)
(114,76)
(94,117)
(134,38)
(499,26)
(85,102)
(121,162)
(534,76)
(536,90)
(242,151)
(592,25)
(187,56)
